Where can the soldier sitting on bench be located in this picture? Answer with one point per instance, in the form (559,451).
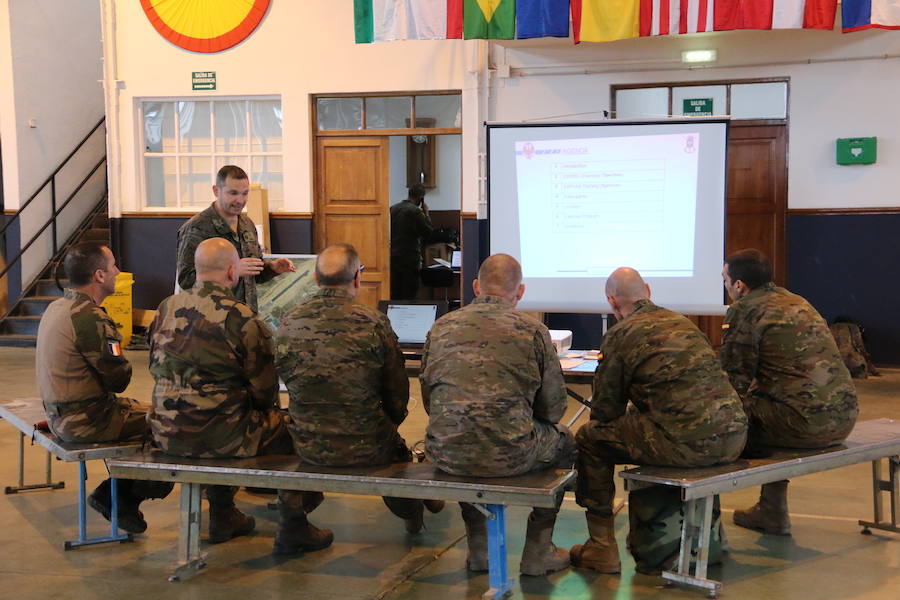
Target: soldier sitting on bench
(80,368)
(660,398)
(493,388)
(784,363)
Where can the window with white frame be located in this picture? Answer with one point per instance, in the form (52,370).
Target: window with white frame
(185,142)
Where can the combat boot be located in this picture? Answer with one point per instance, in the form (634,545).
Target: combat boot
(476,538)
(540,556)
(770,514)
(130,519)
(600,552)
(296,534)
(225,520)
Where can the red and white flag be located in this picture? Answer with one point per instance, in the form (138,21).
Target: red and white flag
(670,17)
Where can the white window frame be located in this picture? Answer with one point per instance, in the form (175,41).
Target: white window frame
(178,154)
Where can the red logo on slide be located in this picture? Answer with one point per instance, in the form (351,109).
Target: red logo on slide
(528,150)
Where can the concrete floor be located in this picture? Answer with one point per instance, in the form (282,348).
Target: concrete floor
(373,557)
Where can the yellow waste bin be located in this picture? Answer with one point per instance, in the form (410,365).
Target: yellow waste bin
(118,306)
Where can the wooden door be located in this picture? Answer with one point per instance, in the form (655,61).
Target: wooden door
(757,200)
(352,205)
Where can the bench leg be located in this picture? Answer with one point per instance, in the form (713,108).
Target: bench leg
(891,485)
(114,535)
(498,577)
(189,557)
(695,531)
(35,486)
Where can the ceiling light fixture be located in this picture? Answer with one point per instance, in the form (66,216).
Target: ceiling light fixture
(698,56)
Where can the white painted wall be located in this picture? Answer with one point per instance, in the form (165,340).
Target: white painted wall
(50,98)
(300,48)
(52,78)
(446,193)
(307,47)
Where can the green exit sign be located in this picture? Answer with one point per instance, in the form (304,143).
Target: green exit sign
(203,80)
(697,107)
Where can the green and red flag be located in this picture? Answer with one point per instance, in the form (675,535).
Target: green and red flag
(389,20)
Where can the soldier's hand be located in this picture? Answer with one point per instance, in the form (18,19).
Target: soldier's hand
(282,265)
(250,266)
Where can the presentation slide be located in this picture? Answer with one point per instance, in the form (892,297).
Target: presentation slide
(411,322)
(575,202)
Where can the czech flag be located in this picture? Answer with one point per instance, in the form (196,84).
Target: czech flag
(868,14)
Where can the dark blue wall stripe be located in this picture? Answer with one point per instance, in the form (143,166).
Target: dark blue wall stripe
(848,265)
(146,247)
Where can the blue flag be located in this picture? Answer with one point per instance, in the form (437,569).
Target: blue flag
(542,18)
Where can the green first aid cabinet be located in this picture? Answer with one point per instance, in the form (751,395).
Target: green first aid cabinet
(856,151)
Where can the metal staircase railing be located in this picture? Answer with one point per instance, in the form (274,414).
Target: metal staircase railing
(55,211)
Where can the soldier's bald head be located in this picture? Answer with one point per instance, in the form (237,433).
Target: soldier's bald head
(500,275)
(626,285)
(337,265)
(213,257)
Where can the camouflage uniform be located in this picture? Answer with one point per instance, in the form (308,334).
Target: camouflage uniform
(409,227)
(208,224)
(853,352)
(216,392)
(494,392)
(785,365)
(659,398)
(343,367)
(80,369)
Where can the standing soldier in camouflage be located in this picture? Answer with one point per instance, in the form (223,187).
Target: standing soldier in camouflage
(80,369)
(410,226)
(346,376)
(494,392)
(224,219)
(216,392)
(660,398)
(784,363)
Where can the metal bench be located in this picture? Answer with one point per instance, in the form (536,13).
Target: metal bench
(870,441)
(405,480)
(24,414)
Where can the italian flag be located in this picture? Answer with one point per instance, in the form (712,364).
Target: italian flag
(489,19)
(389,20)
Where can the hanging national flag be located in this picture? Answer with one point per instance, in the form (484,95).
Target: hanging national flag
(489,19)
(868,14)
(775,14)
(668,17)
(605,20)
(388,20)
(542,18)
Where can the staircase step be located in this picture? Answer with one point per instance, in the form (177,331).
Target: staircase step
(18,340)
(95,235)
(27,325)
(34,305)
(100,221)
(47,287)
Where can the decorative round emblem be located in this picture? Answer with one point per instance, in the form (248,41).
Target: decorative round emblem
(205,25)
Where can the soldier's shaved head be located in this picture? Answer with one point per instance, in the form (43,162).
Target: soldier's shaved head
(500,275)
(626,285)
(213,257)
(337,265)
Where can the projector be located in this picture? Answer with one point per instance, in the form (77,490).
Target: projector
(562,339)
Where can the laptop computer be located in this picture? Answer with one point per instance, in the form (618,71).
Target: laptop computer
(411,320)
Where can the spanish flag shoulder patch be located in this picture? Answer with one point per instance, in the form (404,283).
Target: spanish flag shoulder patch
(726,326)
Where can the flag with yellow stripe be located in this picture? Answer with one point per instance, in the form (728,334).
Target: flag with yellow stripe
(489,19)
(605,20)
